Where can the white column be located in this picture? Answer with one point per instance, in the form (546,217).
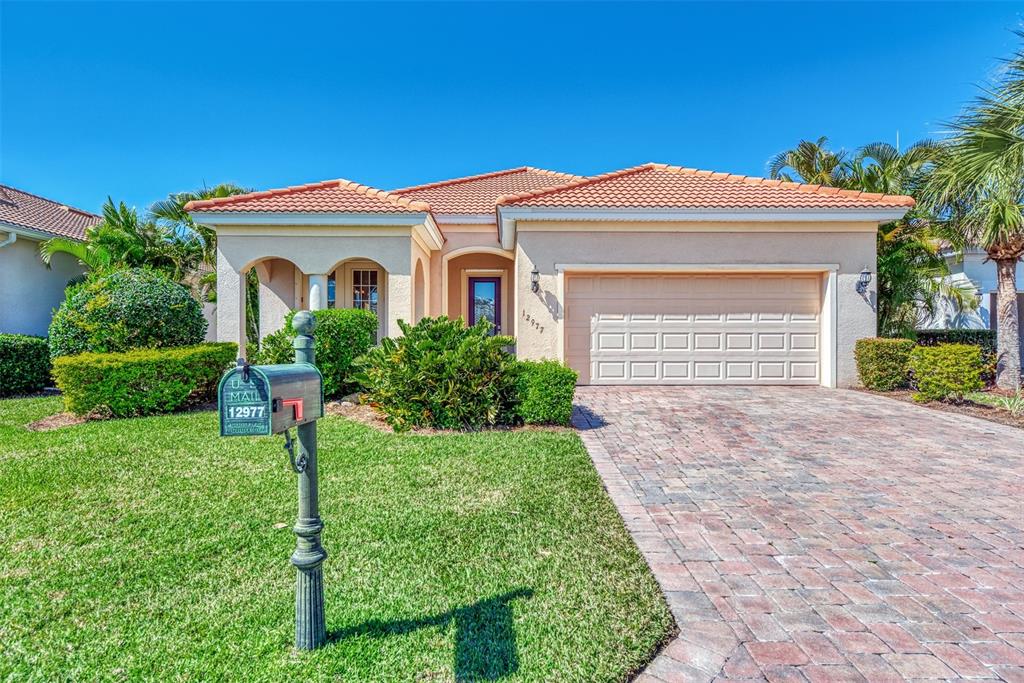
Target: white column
(230,304)
(317,292)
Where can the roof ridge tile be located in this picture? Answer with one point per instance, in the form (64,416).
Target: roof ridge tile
(894,199)
(340,183)
(464,179)
(589,180)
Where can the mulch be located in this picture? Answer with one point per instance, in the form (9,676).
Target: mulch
(366,414)
(57,421)
(984,412)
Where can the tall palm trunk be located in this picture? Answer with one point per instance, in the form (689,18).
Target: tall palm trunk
(1008,334)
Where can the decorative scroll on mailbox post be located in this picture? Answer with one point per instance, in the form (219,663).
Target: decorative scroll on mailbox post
(256,400)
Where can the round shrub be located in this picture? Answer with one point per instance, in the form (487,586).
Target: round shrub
(883,364)
(947,372)
(340,336)
(24,364)
(127,309)
(545,389)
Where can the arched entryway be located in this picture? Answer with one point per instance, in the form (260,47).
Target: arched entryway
(279,291)
(478,285)
(360,283)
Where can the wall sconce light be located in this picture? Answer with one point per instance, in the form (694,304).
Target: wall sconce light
(535,281)
(863,281)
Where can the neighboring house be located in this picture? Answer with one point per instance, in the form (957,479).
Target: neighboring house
(650,275)
(976,275)
(29,291)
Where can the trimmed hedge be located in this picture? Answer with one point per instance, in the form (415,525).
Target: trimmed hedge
(143,381)
(135,308)
(947,372)
(442,374)
(986,339)
(883,364)
(545,389)
(24,364)
(341,335)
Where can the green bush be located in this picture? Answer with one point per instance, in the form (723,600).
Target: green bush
(947,372)
(24,364)
(143,381)
(442,374)
(341,335)
(128,309)
(544,391)
(985,339)
(883,364)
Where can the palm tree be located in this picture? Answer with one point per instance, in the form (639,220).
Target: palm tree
(881,167)
(811,162)
(123,239)
(171,214)
(911,269)
(977,190)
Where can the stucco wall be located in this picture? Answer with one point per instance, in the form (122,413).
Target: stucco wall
(29,292)
(458,302)
(851,247)
(313,250)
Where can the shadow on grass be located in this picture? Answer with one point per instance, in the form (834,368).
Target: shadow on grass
(485,637)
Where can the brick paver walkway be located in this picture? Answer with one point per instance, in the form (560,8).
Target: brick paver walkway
(822,535)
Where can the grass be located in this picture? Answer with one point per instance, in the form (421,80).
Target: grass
(153,549)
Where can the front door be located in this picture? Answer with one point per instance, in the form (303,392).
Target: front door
(485,301)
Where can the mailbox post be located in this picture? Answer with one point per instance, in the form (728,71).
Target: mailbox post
(309,555)
(255,400)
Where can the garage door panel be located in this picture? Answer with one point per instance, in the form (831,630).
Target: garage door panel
(694,329)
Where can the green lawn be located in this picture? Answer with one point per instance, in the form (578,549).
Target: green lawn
(152,549)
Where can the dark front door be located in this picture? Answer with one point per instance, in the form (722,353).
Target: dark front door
(485,301)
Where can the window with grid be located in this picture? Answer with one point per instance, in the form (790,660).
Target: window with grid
(364,290)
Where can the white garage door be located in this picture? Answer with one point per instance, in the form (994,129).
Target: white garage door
(694,329)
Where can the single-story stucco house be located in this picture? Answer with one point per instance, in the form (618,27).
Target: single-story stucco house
(29,291)
(650,275)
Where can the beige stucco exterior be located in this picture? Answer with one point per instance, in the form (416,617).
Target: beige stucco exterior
(29,291)
(557,248)
(420,278)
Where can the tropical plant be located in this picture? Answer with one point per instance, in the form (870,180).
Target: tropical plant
(911,268)
(123,239)
(977,191)
(811,162)
(441,374)
(171,214)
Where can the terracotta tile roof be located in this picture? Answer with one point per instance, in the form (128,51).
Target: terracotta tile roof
(329,196)
(672,187)
(477,194)
(30,211)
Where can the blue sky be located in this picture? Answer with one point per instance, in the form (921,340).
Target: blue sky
(136,100)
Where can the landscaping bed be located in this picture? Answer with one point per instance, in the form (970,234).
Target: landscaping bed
(974,405)
(150,548)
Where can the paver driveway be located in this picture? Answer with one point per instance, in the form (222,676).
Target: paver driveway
(806,533)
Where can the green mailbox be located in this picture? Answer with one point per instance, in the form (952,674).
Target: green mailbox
(255,400)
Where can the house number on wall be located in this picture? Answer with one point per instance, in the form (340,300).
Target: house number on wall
(533,321)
